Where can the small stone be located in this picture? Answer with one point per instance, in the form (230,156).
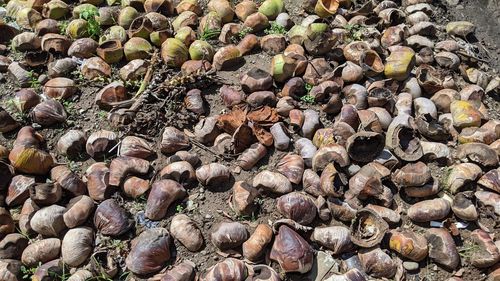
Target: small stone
(284,20)
(410,266)
(43,79)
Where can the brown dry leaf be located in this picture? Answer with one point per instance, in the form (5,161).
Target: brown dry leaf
(231,121)
(451,227)
(263,136)
(264,116)
(242,138)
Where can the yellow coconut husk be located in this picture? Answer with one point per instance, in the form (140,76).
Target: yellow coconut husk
(31,160)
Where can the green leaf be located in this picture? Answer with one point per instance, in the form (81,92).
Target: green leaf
(275,28)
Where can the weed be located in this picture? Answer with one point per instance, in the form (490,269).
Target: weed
(275,28)
(13,107)
(133,84)
(118,244)
(139,203)
(179,209)
(16,55)
(427,277)
(27,272)
(307,99)
(142,198)
(259,201)
(102,277)
(24,234)
(106,160)
(124,275)
(209,34)
(60,277)
(62,25)
(355,32)
(308,87)
(34,83)
(421,231)
(93,27)
(262,168)
(468,250)
(102,114)
(254,217)
(101,79)
(444,178)
(244,31)
(73,166)
(283,275)
(6,18)
(70,107)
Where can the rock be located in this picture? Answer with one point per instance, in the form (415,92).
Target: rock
(410,265)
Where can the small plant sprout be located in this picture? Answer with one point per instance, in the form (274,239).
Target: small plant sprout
(102,114)
(209,34)
(307,99)
(34,83)
(63,25)
(179,209)
(133,84)
(468,249)
(244,31)
(63,276)
(93,27)
(27,272)
(355,32)
(275,28)
(70,107)
(308,87)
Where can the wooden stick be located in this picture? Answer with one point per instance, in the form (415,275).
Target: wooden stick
(202,146)
(471,57)
(148,76)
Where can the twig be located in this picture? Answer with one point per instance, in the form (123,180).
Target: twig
(114,147)
(202,146)
(471,57)
(144,137)
(135,103)
(223,156)
(314,68)
(148,76)
(145,82)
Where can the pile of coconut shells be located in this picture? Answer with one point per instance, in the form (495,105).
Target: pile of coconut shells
(367,150)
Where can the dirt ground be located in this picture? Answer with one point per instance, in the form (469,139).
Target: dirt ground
(208,207)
